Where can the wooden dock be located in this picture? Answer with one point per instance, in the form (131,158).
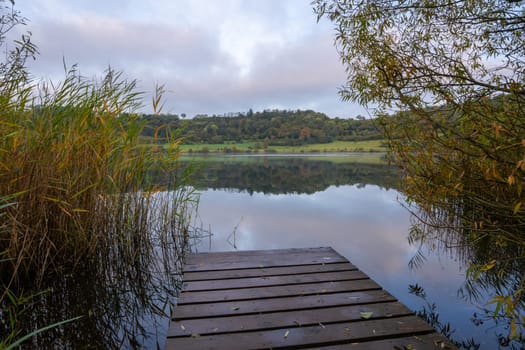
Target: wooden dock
(290,299)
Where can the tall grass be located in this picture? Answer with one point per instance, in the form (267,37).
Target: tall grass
(71,160)
(78,189)
(79,196)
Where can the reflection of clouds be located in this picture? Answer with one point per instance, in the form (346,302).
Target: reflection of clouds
(365,224)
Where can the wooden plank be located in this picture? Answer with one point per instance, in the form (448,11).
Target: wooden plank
(417,342)
(231,261)
(259,253)
(276,320)
(256,282)
(269,271)
(229,308)
(276,291)
(330,334)
(267,262)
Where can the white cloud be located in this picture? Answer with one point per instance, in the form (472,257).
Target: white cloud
(213,56)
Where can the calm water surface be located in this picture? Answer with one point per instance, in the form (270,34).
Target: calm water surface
(357,211)
(349,202)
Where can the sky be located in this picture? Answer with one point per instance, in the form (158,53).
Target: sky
(212,56)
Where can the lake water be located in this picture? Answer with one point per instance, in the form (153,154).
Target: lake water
(348,202)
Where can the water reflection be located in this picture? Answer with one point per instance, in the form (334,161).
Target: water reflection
(116,313)
(119,300)
(281,174)
(359,215)
(495,258)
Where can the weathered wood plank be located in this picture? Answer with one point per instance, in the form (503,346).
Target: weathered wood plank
(330,334)
(269,271)
(231,261)
(432,341)
(311,317)
(229,308)
(233,256)
(259,253)
(269,262)
(256,282)
(277,291)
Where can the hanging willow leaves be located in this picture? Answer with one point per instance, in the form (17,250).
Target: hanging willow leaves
(447,80)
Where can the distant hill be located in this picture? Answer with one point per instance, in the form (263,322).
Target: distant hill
(273,128)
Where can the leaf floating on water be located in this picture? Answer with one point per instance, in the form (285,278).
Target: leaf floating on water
(286,334)
(366,314)
(182,327)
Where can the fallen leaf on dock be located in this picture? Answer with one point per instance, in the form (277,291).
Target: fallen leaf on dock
(366,314)
(235,308)
(182,327)
(286,334)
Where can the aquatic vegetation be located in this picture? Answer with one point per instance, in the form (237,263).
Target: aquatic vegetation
(78,196)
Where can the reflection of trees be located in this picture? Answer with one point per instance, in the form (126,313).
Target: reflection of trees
(291,175)
(120,309)
(491,244)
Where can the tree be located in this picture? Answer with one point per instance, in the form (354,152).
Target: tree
(455,72)
(402,53)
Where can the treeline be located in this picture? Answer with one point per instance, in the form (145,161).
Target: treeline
(272,128)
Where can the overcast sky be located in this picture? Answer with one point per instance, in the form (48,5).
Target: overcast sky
(214,56)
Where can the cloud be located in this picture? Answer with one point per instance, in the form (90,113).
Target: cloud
(212,56)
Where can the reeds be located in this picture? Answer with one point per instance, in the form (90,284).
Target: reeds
(79,191)
(76,175)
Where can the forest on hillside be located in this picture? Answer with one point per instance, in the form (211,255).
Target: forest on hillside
(273,127)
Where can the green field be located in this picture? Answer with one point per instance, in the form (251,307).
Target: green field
(255,147)
(353,157)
